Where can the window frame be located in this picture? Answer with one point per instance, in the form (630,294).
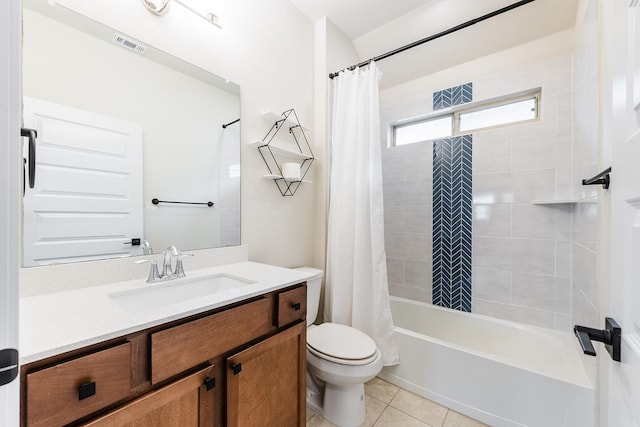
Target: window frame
(456,111)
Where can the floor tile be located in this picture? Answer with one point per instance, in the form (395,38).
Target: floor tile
(374,409)
(310,413)
(455,419)
(420,408)
(319,421)
(391,417)
(381,389)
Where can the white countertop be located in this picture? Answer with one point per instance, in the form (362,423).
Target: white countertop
(55,323)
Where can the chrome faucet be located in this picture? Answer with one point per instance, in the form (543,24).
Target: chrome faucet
(146,248)
(154,275)
(167,271)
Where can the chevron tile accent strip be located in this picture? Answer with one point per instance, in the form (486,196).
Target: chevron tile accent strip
(453,96)
(452,222)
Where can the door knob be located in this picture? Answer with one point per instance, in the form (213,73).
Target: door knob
(611,336)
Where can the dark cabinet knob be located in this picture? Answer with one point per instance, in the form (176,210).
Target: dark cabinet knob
(296,306)
(209,383)
(236,368)
(86,390)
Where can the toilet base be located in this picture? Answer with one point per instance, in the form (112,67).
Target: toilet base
(344,404)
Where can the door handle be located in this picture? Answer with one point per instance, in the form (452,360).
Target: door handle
(32,134)
(610,336)
(8,365)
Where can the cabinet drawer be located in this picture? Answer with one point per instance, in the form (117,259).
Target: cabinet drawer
(182,347)
(292,305)
(63,393)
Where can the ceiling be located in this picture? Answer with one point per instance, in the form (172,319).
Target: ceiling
(378,26)
(357,17)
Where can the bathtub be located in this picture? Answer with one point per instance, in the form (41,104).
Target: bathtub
(499,372)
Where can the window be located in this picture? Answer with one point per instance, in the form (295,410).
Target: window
(463,119)
(502,114)
(424,130)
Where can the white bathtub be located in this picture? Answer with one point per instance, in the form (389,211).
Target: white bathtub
(499,372)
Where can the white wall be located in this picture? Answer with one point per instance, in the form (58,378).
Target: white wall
(266,48)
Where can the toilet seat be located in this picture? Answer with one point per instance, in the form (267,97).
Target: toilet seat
(341,344)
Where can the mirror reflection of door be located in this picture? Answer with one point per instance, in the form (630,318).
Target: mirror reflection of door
(87,200)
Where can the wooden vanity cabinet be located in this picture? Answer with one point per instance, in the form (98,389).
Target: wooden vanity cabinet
(240,365)
(265,381)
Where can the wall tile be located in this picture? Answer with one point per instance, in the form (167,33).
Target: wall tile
(564,255)
(540,150)
(393,219)
(584,310)
(515,187)
(410,292)
(395,270)
(492,153)
(563,323)
(409,246)
(492,220)
(492,285)
(392,166)
(564,183)
(584,262)
(524,255)
(418,219)
(543,292)
(417,273)
(452,222)
(529,316)
(585,223)
(542,221)
(416,192)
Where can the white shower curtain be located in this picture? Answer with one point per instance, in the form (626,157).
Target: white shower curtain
(357,292)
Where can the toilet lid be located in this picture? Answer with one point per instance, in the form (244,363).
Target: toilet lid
(341,342)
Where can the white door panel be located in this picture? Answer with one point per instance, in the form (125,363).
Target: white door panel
(10,166)
(621,132)
(87,201)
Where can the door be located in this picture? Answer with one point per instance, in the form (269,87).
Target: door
(266,383)
(87,199)
(9,199)
(187,402)
(620,51)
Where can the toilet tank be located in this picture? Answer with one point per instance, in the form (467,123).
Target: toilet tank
(314,286)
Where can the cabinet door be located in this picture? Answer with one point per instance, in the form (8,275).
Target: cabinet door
(266,382)
(183,403)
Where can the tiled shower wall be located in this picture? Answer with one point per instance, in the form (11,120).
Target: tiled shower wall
(522,252)
(522,249)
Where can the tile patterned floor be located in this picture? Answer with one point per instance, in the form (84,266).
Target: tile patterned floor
(390,406)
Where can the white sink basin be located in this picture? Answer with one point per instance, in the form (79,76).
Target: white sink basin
(161,294)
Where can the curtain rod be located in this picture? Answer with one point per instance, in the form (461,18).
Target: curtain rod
(436,36)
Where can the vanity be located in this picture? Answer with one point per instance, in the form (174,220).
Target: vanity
(233,357)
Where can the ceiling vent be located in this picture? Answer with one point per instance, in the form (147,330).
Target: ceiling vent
(634,3)
(129,44)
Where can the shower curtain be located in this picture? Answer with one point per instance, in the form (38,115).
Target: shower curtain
(357,291)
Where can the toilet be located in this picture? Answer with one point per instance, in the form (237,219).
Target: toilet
(340,359)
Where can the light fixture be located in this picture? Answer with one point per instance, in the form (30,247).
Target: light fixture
(161,7)
(157,7)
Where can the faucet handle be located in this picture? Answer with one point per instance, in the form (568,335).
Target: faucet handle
(179,267)
(154,275)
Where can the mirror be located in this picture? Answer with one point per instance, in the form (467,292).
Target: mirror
(121,123)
